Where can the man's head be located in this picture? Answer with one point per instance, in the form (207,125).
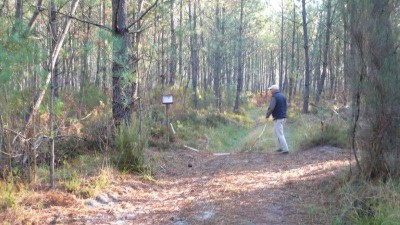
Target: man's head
(274,88)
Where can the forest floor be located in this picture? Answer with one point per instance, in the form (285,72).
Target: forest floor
(256,187)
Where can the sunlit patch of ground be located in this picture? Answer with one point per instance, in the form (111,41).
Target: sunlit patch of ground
(240,188)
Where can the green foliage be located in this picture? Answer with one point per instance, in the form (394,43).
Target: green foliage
(87,188)
(229,96)
(91,98)
(227,138)
(129,77)
(7,197)
(102,180)
(15,105)
(16,52)
(105,35)
(308,131)
(71,168)
(376,88)
(369,203)
(73,184)
(129,149)
(83,176)
(60,2)
(58,107)
(216,132)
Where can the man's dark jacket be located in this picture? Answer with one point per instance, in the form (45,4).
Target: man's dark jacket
(277,106)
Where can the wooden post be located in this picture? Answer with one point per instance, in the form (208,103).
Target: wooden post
(167,114)
(167,100)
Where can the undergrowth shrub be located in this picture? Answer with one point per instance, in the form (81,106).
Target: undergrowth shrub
(329,134)
(369,203)
(97,129)
(7,197)
(73,185)
(129,149)
(87,188)
(309,130)
(212,131)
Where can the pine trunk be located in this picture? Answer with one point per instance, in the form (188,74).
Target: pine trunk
(239,61)
(122,96)
(306,95)
(321,83)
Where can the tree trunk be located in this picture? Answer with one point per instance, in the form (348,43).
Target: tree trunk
(51,128)
(99,63)
(54,56)
(136,44)
(122,96)
(346,60)
(321,83)
(172,64)
(292,61)
(32,21)
(217,58)
(85,72)
(164,75)
(380,145)
(239,61)
(194,52)
(246,72)
(19,9)
(180,60)
(18,15)
(54,36)
(334,74)
(298,83)
(272,68)
(53,60)
(104,50)
(306,95)
(203,65)
(2,144)
(358,79)
(281,52)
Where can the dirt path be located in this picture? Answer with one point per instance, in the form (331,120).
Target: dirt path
(202,188)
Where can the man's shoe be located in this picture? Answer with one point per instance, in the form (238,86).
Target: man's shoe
(284,152)
(278,150)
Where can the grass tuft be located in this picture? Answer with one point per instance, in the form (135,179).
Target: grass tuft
(8,196)
(73,185)
(308,130)
(216,132)
(129,151)
(369,203)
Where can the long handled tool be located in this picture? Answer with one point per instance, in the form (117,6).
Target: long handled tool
(258,138)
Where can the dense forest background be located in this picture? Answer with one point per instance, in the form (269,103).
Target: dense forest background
(88,75)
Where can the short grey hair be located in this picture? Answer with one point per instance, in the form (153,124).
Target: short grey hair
(274,87)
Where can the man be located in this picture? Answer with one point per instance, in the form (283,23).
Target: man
(277,107)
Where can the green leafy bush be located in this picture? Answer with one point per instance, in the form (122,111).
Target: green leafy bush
(308,131)
(7,198)
(369,203)
(73,185)
(129,149)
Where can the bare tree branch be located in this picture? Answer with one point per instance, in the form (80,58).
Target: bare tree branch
(86,21)
(34,17)
(54,57)
(140,30)
(39,9)
(141,15)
